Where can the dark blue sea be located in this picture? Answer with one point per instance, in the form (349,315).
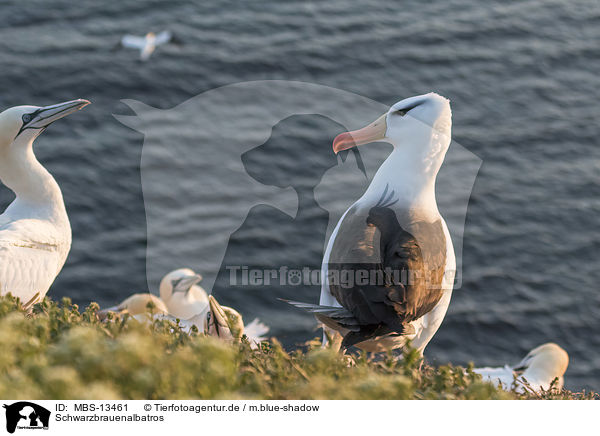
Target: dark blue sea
(524,84)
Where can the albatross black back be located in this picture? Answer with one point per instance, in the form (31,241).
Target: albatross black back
(386,274)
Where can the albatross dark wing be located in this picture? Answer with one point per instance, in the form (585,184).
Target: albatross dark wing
(385,275)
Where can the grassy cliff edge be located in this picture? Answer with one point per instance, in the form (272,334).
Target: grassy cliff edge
(56,351)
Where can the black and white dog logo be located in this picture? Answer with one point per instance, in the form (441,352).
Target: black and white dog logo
(26,415)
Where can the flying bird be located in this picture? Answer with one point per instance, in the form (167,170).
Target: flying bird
(35,234)
(147,44)
(388,269)
(536,371)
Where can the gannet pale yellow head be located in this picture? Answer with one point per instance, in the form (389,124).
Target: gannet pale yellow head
(182,294)
(181,280)
(404,124)
(546,362)
(223,322)
(19,169)
(22,124)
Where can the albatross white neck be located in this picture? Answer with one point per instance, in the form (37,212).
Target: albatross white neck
(410,171)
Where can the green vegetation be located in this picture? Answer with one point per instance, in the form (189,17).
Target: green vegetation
(54,351)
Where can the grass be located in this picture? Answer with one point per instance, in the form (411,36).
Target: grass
(56,351)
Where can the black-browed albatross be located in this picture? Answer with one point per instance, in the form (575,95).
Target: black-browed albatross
(388,270)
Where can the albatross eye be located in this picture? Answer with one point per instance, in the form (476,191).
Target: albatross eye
(27,118)
(405,110)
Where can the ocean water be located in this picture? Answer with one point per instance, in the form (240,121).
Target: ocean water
(523,82)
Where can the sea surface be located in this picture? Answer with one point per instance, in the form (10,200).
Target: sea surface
(524,86)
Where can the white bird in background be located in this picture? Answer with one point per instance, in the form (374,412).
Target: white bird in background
(537,370)
(182,295)
(35,234)
(183,300)
(137,304)
(395,235)
(146,44)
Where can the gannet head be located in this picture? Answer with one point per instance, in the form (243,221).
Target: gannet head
(544,363)
(181,280)
(22,124)
(223,322)
(412,122)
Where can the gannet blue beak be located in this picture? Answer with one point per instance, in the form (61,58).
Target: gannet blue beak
(217,322)
(184,284)
(44,116)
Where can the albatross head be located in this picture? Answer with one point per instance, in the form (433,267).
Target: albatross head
(544,363)
(22,124)
(423,122)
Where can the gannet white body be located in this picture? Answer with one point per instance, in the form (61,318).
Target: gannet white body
(388,269)
(536,371)
(146,44)
(182,295)
(214,320)
(35,234)
(137,304)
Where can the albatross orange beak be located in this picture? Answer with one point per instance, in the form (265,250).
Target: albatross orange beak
(371,133)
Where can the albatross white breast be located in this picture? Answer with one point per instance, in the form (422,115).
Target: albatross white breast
(389,266)
(35,235)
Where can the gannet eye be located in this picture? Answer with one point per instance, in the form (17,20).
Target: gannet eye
(27,118)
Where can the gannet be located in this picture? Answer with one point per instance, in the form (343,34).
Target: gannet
(146,44)
(183,301)
(182,295)
(536,371)
(214,320)
(35,234)
(137,304)
(227,323)
(388,269)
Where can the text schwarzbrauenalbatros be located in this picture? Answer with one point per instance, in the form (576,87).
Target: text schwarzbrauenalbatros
(68,417)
